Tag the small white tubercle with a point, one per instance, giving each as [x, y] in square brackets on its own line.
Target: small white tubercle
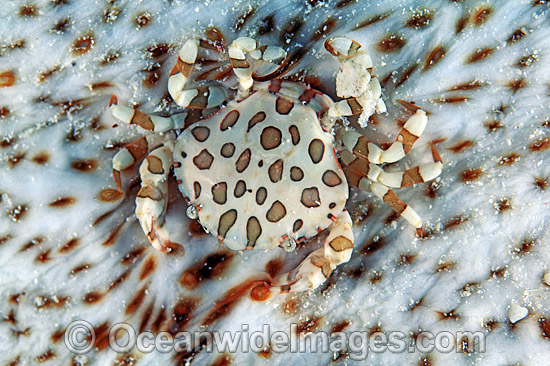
[516, 312]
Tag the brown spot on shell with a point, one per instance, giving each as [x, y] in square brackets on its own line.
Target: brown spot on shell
[261, 195]
[226, 222]
[275, 171]
[227, 150]
[84, 165]
[240, 189]
[316, 150]
[257, 118]
[296, 174]
[276, 212]
[391, 43]
[219, 193]
[63, 202]
[331, 178]
[243, 161]
[479, 55]
[197, 189]
[201, 133]
[297, 225]
[470, 175]
[203, 160]
[229, 120]
[253, 231]
[110, 195]
[310, 197]
[270, 138]
[294, 134]
[83, 45]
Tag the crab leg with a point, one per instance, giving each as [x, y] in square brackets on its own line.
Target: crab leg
[387, 195]
[195, 98]
[132, 153]
[241, 67]
[319, 264]
[145, 121]
[354, 81]
[151, 199]
[364, 149]
[418, 174]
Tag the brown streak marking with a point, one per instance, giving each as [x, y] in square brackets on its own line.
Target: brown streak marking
[147, 268]
[540, 145]
[391, 43]
[510, 159]
[80, 268]
[470, 175]
[44, 256]
[420, 19]
[455, 221]
[63, 202]
[132, 256]
[110, 195]
[309, 325]
[69, 246]
[479, 55]
[434, 57]
[461, 146]
[93, 297]
[481, 16]
[136, 301]
[223, 306]
[84, 165]
[123, 277]
[46, 356]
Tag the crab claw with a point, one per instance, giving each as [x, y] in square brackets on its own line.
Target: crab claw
[113, 100]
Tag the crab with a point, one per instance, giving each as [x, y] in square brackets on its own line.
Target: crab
[263, 171]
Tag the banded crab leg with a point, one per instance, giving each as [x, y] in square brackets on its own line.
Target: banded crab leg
[151, 200]
[145, 121]
[418, 174]
[319, 264]
[133, 153]
[385, 194]
[354, 81]
[361, 147]
[196, 98]
[243, 46]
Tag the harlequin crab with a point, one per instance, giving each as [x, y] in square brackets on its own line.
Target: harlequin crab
[263, 172]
